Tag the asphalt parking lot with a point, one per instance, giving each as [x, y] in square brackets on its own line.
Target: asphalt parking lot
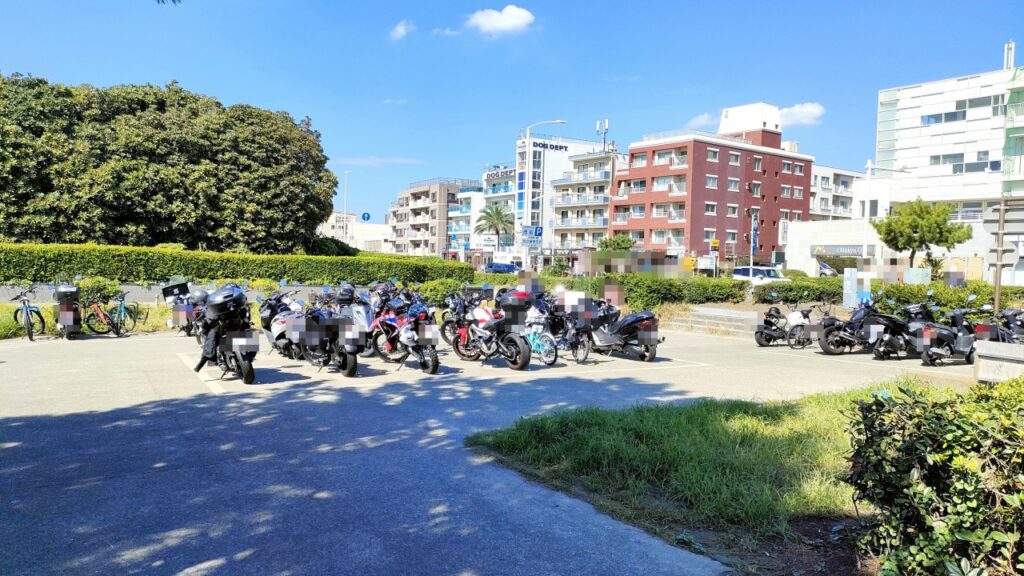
[116, 458]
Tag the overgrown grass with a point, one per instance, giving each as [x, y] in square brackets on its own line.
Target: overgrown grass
[711, 463]
[152, 318]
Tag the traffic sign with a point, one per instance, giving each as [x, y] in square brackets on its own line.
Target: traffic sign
[1010, 255]
[714, 243]
[366, 216]
[533, 231]
[1013, 220]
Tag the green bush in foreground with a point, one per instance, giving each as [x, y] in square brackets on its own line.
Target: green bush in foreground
[947, 479]
[46, 262]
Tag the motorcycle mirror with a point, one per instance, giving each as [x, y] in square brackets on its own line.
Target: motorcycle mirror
[486, 286]
[971, 297]
[891, 302]
[282, 283]
[245, 284]
[935, 308]
[987, 307]
[773, 294]
[327, 289]
[930, 292]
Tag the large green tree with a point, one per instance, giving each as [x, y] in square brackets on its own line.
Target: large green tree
[495, 218]
[143, 165]
[918, 225]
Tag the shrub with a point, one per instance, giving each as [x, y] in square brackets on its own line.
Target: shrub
[839, 263]
[435, 291]
[44, 262]
[99, 287]
[794, 273]
[946, 479]
[560, 267]
[802, 289]
[171, 246]
[495, 280]
[648, 292]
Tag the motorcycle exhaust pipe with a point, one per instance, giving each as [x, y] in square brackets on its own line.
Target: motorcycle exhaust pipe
[938, 352]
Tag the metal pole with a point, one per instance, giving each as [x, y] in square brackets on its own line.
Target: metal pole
[753, 216]
[999, 252]
[345, 206]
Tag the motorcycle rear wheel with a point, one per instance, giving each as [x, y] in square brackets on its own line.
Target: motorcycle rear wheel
[245, 370]
[518, 357]
[448, 331]
[468, 351]
[581, 351]
[648, 353]
[831, 342]
[347, 363]
[762, 339]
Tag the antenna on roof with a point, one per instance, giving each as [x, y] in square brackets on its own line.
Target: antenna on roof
[601, 127]
[1008, 50]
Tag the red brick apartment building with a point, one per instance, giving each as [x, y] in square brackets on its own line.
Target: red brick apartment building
[682, 189]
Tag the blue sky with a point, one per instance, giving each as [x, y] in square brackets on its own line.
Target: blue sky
[404, 91]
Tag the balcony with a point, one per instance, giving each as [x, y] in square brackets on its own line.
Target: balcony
[466, 189]
[1015, 115]
[588, 176]
[675, 242]
[419, 220]
[677, 189]
[621, 218]
[600, 222]
[417, 236]
[966, 216]
[457, 210]
[458, 229]
[502, 189]
[581, 199]
[676, 216]
[419, 204]
[678, 163]
[578, 245]
[1013, 167]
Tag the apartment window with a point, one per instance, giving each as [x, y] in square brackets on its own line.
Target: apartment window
[730, 236]
[734, 184]
[636, 235]
[785, 191]
[710, 208]
[536, 159]
[598, 166]
[954, 116]
[636, 211]
[787, 167]
[661, 183]
[783, 214]
[638, 160]
[755, 189]
[983, 156]
[709, 235]
[581, 189]
[711, 182]
[638, 186]
[712, 155]
[757, 163]
[826, 182]
[814, 180]
[599, 189]
[930, 119]
[732, 210]
[798, 168]
[797, 215]
[659, 237]
[798, 192]
[734, 158]
[662, 157]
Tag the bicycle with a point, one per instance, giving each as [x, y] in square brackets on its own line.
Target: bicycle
[121, 318]
[28, 315]
[542, 342]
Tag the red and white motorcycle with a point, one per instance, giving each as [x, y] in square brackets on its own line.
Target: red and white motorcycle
[489, 333]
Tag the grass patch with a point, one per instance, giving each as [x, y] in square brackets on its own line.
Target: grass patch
[711, 464]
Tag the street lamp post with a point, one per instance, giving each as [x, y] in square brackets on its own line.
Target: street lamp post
[529, 171]
[345, 206]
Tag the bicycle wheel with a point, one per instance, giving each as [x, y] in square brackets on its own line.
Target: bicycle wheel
[129, 318]
[96, 324]
[581, 351]
[797, 337]
[31, 320]
[547, 348]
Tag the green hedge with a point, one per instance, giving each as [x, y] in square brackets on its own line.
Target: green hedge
[946, 477]
[794, 273]
[47, 262]
[495, 280]
[802, 290]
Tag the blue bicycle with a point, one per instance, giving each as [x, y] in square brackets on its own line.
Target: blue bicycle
[541, 342]
[28, 315]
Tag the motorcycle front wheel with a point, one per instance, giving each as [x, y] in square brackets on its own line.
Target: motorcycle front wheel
[245, 370]
[380, 345]
[581, 350]
[468, 351]
[369, 351]
[517, 351]
[448, 332]
[429, 364]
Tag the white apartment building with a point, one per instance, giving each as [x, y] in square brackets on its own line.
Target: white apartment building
[419, 218]
[350, 229]
[540, 160]
[580, 201]
[462, 215]
[832, 193]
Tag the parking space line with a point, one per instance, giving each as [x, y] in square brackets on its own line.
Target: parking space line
[872, 364]
[213, 385]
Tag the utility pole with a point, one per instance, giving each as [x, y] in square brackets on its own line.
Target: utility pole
[345, 207]
[999, 252]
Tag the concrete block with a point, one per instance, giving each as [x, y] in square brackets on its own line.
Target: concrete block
[998, 361]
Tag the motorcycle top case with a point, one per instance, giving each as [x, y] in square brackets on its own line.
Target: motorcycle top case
[917, 312]
[514, 300]
[175, 290]
[66, 294]
[228, 299]
[345, 296]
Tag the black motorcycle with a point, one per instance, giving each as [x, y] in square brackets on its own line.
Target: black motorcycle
[636, 333]
[945, 342]
[841, 336]
[566, 327]
[901, 335]
[229, 339]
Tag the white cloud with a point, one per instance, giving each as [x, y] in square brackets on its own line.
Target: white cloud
[377, 161]
[402, 29]
[806, 114]
[701, 121]
[511, 20]
[393, 101]
[445, 32]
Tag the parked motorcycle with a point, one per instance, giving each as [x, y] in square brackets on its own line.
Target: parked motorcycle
[565, 326]
[900, 335]
[773, 326]
[841, 336]
[490, 333]
[229, 339]
[637, 333]
[283, 321]
[408, 329]
[69, 310]
[800, 335]
[942, 343]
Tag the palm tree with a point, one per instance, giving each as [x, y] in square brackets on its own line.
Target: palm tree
[497, 219]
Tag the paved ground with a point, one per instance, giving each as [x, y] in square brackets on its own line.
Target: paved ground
[116, 458]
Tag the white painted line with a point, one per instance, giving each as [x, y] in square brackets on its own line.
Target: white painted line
[213, 385]
[887, 364]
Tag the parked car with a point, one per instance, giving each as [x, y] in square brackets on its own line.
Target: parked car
[500, 268]
[826, 271]
[758, 275]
